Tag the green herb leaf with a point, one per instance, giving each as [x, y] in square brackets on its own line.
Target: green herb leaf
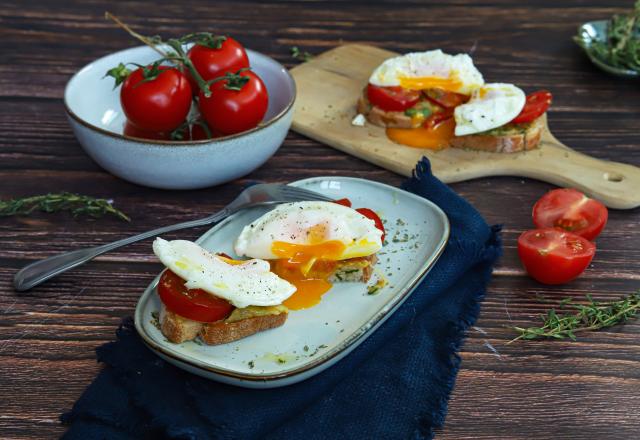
[118, 73]
[75, 203]
[299, 55]
[594, 315]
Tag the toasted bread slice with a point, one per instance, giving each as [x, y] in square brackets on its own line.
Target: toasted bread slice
[354, 269]
[250, 320]
[510, 138]
[239, 325]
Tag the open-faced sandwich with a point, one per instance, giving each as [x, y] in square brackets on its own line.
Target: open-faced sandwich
[214, 297]
[314, 244]
[435, 100]
[309, 245]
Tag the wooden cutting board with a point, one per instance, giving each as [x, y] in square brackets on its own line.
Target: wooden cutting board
[329, 86]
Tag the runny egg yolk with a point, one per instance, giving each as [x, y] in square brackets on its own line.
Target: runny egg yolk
[433, 138]
[451, 84]
[308, 267]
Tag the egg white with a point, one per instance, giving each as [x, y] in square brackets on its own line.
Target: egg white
[248, 284]
[491, 106]
[433, 63]
[291, 223]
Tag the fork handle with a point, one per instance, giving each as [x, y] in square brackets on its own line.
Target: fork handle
[38, 272]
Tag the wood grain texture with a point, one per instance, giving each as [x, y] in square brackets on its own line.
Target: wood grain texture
[535, 390]
[330, 84]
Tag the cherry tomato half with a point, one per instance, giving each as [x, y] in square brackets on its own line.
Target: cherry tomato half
[195, 304]
[392, 99]
[553, 256]
[373, 216]
[212, 63]
[231, 109]
[572, 211]
[343, 202]
[536, 104]
[445, 99]
[160, 104]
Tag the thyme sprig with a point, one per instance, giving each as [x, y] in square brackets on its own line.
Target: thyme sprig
[300, 55]
[594, 315]
[75, 203]
[622, 45]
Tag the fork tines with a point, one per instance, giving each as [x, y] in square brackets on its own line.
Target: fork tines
[304, 194]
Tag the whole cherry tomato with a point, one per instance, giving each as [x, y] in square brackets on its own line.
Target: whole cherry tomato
[373, 216]
[237, 103]
[553, 256]
[536, 104]
[134, 131]
[214, 56]
[392, 99]
[572, 211]
[156, 98]
[195, 304]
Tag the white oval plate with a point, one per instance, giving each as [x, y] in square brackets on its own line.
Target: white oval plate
[314, 339]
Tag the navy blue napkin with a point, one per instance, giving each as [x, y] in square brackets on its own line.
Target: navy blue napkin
[395, 385]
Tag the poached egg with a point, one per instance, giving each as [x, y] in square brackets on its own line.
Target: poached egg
[304, 240]
[491, 106]
[433, 69]
[242, 283]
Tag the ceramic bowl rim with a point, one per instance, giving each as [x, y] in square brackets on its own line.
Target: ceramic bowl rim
[170, 143]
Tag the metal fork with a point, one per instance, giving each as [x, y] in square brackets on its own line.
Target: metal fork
[261, 194]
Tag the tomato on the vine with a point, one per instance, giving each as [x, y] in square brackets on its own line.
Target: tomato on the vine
[195, 304]
[237, 103]
[156, 98]
[553, 256]
[214, 56]
[572, 211]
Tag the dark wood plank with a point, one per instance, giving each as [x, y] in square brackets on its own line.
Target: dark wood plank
[546, 389]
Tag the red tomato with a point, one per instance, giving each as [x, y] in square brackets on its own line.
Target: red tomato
[212, 63]
[193, 304]
[373, 216]
[572, 211]
[343, 202]
[160, 104]
[537, 103]
[392, 99]
[437, 118]
[133, 131]
[553, 256]
[446, 99]
[237, 103]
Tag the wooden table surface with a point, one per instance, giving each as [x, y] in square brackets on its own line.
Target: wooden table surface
[549, 389]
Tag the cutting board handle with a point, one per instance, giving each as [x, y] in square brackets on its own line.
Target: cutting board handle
[615, 184]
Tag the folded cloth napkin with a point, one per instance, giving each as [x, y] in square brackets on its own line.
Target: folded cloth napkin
[395, 385]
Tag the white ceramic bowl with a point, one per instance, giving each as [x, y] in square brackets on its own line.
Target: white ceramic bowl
[96, 117]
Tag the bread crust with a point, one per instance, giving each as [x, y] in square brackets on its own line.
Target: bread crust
[511, 143]
[508, 143]
[178, 329]
[381, 118]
